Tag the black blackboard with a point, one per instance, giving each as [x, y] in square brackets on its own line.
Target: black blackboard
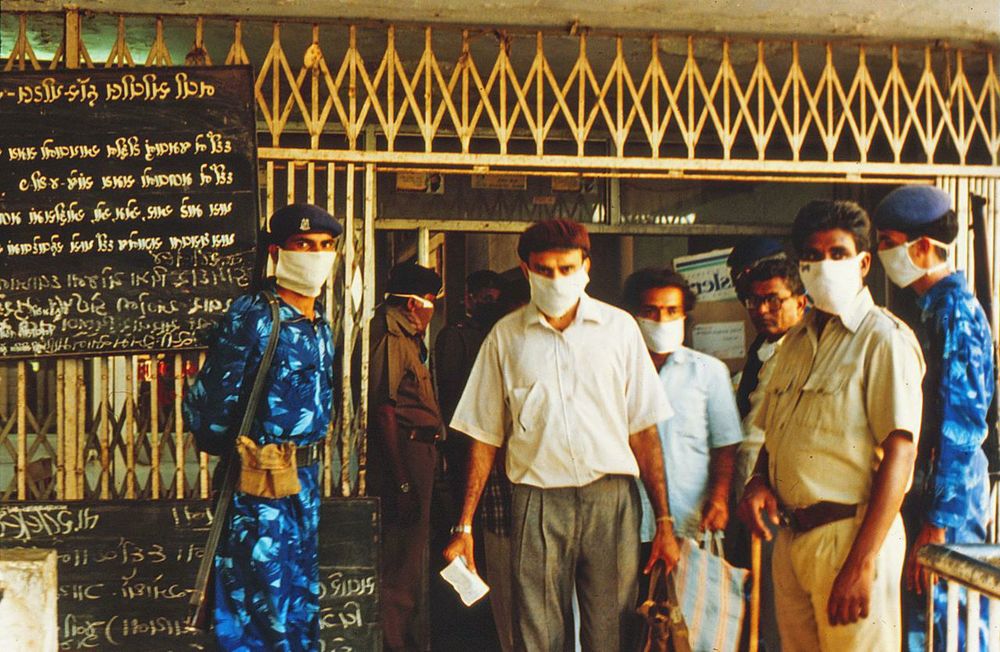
[126, 570]
[128, 206]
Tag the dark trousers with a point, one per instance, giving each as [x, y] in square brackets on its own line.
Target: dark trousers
[587, 537]
[404, 546]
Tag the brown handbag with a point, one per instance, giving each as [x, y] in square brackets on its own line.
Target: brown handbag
[664, 629]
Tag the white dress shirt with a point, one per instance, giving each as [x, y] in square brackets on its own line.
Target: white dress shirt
[564, 402]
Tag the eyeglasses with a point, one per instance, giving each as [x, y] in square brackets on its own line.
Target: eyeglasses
[772, 301]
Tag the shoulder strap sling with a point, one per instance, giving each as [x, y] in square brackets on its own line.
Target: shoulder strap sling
[199, 604]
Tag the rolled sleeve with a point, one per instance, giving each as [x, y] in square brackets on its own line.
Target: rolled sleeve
[894, 396]
[724, 428]
[481, 412]
[645, 399]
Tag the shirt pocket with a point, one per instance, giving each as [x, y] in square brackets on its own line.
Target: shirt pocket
[826, 403]
[527, 406]
[778, 393]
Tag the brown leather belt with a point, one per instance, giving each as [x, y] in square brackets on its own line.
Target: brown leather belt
[809, 518]
[306, 455]
[423, 434]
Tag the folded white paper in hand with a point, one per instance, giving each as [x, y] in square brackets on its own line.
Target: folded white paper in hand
[470, 587]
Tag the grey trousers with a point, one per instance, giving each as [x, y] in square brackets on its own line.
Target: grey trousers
[496, 564]
[583, 536]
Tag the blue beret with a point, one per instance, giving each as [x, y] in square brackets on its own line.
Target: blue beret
[301, 218]
[752, 250]
[911, 207]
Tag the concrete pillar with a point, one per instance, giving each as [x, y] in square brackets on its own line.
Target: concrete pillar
[28, 593]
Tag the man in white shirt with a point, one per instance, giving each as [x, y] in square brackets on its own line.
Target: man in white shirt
[567, 384]
[700, 443]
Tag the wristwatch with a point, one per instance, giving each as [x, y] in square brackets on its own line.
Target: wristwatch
[461, 529]
[404, 487]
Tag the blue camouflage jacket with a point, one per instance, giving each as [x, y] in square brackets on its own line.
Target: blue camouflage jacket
[299, 386]
[958, 389]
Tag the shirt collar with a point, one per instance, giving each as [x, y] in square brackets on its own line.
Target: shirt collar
[397, 322]
[954, 281]
[588, 310]
[856, 312]
[678, 357]
[852, 317]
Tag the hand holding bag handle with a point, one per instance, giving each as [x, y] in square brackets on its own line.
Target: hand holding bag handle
[663, 627]
[198, 604]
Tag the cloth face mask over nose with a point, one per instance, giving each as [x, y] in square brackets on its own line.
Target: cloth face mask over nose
[662, 336]
[304, 272]
[554, 297]
[901, 269]
[832, 284]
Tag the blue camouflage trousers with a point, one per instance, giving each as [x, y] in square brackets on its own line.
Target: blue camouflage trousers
[267, 572]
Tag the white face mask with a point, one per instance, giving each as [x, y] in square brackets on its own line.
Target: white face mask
[833, 285]
[662, 336]
[554, 297]
[901, 269]
[304, 272]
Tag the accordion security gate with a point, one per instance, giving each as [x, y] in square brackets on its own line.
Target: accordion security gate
[338, 102]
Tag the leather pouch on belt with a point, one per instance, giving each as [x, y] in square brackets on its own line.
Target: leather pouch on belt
[267, 471]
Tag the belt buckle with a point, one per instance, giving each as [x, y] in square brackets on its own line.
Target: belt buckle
[787, 519]
[308, 455]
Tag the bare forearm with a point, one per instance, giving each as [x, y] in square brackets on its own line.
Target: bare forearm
[887, 494]
[481, 458]
[721, 463]
[645, 446]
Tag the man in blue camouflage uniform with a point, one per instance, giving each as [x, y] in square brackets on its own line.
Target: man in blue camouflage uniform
[950, 495]
[266, 566]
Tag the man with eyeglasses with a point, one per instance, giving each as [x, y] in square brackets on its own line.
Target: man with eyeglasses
[404, 425]
[768, 285]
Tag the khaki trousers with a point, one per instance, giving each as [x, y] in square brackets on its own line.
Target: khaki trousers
[804, 567]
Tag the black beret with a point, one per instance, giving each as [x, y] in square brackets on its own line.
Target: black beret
[911, 207]
[301, 218]
[549, 235]
[411, 278]
[751, 251]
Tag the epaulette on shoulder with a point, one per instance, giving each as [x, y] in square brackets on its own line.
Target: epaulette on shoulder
[893, 318]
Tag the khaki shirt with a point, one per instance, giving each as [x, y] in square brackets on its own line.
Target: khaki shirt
[834, 398]
[564, 402]
[753, 437]
[397, 372]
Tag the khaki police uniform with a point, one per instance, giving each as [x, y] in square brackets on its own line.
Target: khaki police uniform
[833, 399]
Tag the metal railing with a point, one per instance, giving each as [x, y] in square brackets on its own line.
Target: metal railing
[972, 572]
